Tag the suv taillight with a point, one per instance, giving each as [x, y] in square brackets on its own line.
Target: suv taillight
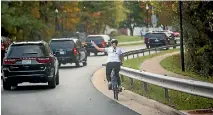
[75, 51]
[9, 61]
[44, 60]
[2, 46]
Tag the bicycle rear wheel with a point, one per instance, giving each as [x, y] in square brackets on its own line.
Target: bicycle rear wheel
[115, 91]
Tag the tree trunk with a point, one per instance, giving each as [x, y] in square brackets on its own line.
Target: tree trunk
[131, 31]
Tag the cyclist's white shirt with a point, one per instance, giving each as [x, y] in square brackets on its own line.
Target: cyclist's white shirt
[113, 56]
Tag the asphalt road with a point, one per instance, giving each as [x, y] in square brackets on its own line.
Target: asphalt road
[75, 95]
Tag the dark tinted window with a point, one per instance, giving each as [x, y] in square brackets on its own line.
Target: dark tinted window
[157, 35]
[62, 44]
[96, 39]
[26, 50]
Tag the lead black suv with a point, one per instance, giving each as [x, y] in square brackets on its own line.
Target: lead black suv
[31, 62]
[69, 50]
[100, 42]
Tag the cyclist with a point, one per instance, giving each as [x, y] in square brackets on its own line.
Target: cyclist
[115, 60]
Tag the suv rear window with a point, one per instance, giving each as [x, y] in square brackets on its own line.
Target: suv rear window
[96, 39]
[157, 35]
[62, 44]
[26, 50]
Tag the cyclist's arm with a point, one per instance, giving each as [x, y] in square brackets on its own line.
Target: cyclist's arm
[96, 47]
[121, 58]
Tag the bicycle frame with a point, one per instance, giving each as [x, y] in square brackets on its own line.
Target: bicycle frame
[114, 83]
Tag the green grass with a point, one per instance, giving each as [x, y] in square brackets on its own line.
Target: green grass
[178, 100]
[128, 38]
[131, 44]
[135, 63]
[173, 64]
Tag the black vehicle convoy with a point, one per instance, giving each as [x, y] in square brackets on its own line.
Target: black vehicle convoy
[154, 39]
[69, 50]
[31, 62]
[101, 40]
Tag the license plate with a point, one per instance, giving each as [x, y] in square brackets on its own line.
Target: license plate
[62, 52]
[26, 61]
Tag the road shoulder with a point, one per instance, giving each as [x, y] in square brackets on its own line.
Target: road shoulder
[140, 104]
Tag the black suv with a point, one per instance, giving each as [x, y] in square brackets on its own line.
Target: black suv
[99, 42]
[158, 39]
[69, 50]
[31, 62]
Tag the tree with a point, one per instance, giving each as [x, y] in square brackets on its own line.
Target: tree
[135, 16]
[19, 20]
[97, 15]
[166, 11]
[198, 32]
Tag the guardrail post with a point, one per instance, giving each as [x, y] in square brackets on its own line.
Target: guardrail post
[122, 78]
[127, 57]
[133, 56]
[145, 86]
[166, 93]
[149, 51]
[137, 54]
[143, 53]
[156, 50]
[131, 82]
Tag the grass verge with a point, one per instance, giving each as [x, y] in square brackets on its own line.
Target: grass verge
[128, 38]
[173, 64]
[178, 100]
[135, 63]
[131, 44]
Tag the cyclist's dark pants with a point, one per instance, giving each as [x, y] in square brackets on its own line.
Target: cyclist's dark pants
[109, 68]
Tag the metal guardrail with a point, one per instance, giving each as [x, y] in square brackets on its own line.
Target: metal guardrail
[194, 87]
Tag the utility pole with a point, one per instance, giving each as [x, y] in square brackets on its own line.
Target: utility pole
[181, 36]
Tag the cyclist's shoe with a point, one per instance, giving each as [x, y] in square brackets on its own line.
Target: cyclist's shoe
[110, 86]
[120, 88]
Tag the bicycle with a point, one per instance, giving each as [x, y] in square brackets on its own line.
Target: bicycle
[114, 82]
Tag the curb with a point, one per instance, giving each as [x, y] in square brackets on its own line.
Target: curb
[140, 100]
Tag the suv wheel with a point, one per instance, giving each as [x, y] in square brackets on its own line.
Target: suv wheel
[52, 82]
[77, 64]
[14, 84]
[88, 53]
[57, 78]
[175, 42]
[6, 85]
[85, 63]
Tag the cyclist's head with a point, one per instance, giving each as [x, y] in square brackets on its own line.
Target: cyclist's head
[114, 42]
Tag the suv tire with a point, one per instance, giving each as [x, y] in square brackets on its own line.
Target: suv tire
[88, 53]
[52, 82]
[57, 78]
[77, 64]
[6, 85]
[85, 63]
